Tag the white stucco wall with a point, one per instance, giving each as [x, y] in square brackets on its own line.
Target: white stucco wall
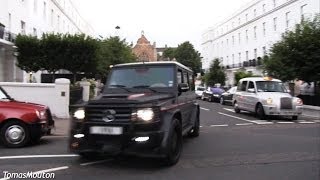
[56, 96]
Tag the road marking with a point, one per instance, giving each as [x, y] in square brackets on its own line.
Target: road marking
[227, 109]
[306, 122]
[244, 124]
[236, 117]
[262, 122]
[284, 122]
[45, 171]
[95, 162]
[38, 156]
[219, 125]
[204, 109]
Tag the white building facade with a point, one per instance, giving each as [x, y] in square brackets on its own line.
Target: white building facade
[241, 40]
[34, 17]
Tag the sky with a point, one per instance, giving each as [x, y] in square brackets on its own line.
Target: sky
[166, 22]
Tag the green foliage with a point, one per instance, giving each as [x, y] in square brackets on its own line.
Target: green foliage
[113, 51]
[30, 53]
[297, 55]
[241, 74]
[216, 74]
[169, 53]
[188, 56]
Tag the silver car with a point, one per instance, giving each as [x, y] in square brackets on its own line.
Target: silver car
[266, 97]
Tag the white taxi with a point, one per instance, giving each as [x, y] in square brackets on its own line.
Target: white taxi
[266, 96]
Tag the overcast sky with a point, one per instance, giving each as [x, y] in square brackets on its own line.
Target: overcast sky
[170, 22]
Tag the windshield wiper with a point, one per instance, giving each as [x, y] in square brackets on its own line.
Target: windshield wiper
[145, 87]
[120, 86]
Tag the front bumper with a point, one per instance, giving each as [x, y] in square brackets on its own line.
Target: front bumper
[118, 144]
[275, 110]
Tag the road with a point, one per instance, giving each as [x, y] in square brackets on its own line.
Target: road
[230, 146]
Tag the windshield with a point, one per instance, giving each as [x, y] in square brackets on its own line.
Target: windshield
[142, 77]
[270, 86]
[200, 88]
[3, 95]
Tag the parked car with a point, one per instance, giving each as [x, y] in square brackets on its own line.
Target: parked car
[212, 94]
[199, 91]
[144, 115]
[266, 97]
[227, 96]
[22, 122]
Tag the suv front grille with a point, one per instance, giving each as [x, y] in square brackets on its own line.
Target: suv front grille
[96, 112]
[286, 103]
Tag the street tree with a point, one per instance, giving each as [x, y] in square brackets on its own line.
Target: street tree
[216, 74]
[241, 74]
[297, 54]
[188, 56]
[29, 53]
[169, 53]
[112, 51]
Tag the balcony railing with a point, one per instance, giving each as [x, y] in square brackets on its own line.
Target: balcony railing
[249, 63]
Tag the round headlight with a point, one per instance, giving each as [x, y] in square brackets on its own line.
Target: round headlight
[269, 101]
[145, 114]
[79, 114]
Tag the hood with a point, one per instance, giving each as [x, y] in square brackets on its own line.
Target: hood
[25, 105]
[134, 98]
[273, 95]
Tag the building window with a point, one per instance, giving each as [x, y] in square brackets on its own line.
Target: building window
[232, 24]
[35, 6]
[239, 58]
[246, 17]
[35, 32]
[239, 37]
[227, 42]
[44, 10]
[287, 19]
[58, 23]
[264, 28]
[23, 27]
[9, 20]
[274, 3]
[255, 32]
[247, 55]
[264, 50]
[264, 8]
[239, 21]
[232, 58]
[232, 40]
[255, 13]
[247, 37]
[275, 24]
[52, 13]
[302, 11]
[255, 55]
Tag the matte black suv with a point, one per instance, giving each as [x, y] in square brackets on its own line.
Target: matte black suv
[145, 109]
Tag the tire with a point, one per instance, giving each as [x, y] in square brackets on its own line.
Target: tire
[195, 131]
[210, 99]
[202, 97]
[174, 144]
[260, 112]
[294, 118]
[221, 101]
[236, 109]
[15, 134]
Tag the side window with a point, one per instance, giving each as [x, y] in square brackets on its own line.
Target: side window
[251, 85]
[185, 78]
[179, 76]
[243, 86]
[191, 81]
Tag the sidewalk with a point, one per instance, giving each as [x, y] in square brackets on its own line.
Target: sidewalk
[311, 111]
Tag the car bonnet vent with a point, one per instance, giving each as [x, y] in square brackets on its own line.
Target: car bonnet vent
[115, 96]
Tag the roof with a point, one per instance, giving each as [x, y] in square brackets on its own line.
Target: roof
[259, 79]
[154, 63]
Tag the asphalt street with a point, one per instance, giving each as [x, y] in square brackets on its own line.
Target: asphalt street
[230, 146]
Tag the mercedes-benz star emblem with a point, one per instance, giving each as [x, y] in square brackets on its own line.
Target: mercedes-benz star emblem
[109, 115]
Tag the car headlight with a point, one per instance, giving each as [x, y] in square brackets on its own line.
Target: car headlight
[79, 114]
[299, 101]
[269, 101]
[41, 114]
[145, 114]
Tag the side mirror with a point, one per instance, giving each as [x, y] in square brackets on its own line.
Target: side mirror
[251, 90]
[183, 87]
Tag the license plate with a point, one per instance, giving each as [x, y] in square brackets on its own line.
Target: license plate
[106, 130]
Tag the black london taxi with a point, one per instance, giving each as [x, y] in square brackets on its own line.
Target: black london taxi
[144, 110]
